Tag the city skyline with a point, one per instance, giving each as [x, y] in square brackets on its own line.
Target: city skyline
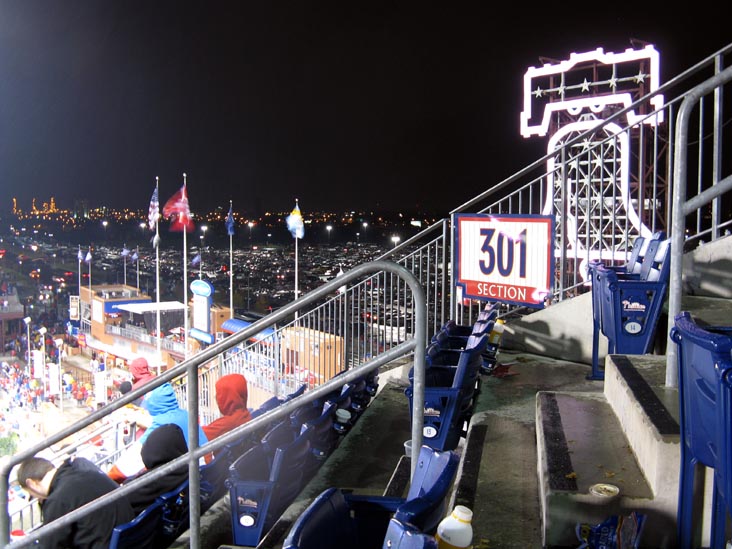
[373, 106]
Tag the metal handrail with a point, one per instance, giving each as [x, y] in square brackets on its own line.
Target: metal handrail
[682, 208]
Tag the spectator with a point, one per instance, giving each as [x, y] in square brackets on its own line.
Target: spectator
[163, 406]
[140, 371]
[231, 398]
[63, 489]
[165, 444]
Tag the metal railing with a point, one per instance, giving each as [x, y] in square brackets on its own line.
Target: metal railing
[413, 296]
[716, 188]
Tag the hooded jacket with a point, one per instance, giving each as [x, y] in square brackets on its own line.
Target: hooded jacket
[163, 407]
[76, 483]
[231, 397]
[164, 444]
[140, 371]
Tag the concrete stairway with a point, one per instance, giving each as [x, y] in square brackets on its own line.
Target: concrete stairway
[624, 439]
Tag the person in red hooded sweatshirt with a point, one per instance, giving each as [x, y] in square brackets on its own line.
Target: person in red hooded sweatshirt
[140, 371]
[231, 397]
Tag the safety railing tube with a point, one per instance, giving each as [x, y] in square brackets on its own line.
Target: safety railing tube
[681, 208]
[415, 346]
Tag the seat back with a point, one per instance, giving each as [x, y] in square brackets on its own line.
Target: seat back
[325, 524]
[704, 369]
[470, 361]
[176, 514]
[705, 394]
[213, 477]
[402, 535]
[426, 501]
[139, 533]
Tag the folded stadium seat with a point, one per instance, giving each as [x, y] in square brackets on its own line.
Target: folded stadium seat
[450, 396]
[338, 518]
[262, 485]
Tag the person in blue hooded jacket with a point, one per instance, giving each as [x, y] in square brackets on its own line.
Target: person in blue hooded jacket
[163, 407]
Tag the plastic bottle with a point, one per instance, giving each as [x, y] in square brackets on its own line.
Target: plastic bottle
[456, 531]
[496, 333]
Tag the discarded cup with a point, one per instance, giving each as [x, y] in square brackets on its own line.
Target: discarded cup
[408, 447]
[17, 534]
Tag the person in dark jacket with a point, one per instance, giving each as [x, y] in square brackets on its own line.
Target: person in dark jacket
[67, 487]
[231, 397]
[162, 446]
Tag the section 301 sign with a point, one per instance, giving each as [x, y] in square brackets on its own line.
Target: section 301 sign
[507, 258]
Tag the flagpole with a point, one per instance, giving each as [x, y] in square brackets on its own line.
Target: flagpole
[231, 267]
[124, 258]
[157, 280]
[185, 282]
[138, 267]
[79, 257]
[90, 262]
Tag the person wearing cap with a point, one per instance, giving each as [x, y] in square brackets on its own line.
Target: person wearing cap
[62, 489]
[231, 398]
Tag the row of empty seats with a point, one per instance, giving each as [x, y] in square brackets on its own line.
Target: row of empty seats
[266, 478]
[454, 360]
[627, 300]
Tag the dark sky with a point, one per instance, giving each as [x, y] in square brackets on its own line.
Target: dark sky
[345, 105]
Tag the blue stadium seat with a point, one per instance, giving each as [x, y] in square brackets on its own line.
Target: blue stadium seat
[141, 532]
[705, 394]
[264, 481]
[338, 518]
[450, 396]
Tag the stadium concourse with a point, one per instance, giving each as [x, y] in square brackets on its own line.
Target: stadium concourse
[32, 423]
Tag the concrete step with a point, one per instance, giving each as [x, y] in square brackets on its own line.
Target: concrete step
[648, 412]
[582, 448]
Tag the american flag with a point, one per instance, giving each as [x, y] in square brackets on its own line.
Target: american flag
[153, 213]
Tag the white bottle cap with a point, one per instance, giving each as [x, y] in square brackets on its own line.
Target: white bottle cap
[463, 513]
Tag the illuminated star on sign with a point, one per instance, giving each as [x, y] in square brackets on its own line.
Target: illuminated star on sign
[640, 77]
[585, 86]
[613, 82]
[538, 92]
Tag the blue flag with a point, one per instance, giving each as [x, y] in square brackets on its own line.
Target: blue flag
[230, 222]
[80, 255]
[295, 223]
[196, 260]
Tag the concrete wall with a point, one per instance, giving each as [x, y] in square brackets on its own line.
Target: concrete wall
[564, 330]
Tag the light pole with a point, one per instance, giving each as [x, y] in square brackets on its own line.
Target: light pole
[204, 228]
[329, 228]
[365, 226]
[395, 239]
[250, 225]
[42, 330]
[27, 321]
[104, 224]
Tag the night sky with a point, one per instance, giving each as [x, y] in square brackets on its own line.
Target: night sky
[344, 105]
